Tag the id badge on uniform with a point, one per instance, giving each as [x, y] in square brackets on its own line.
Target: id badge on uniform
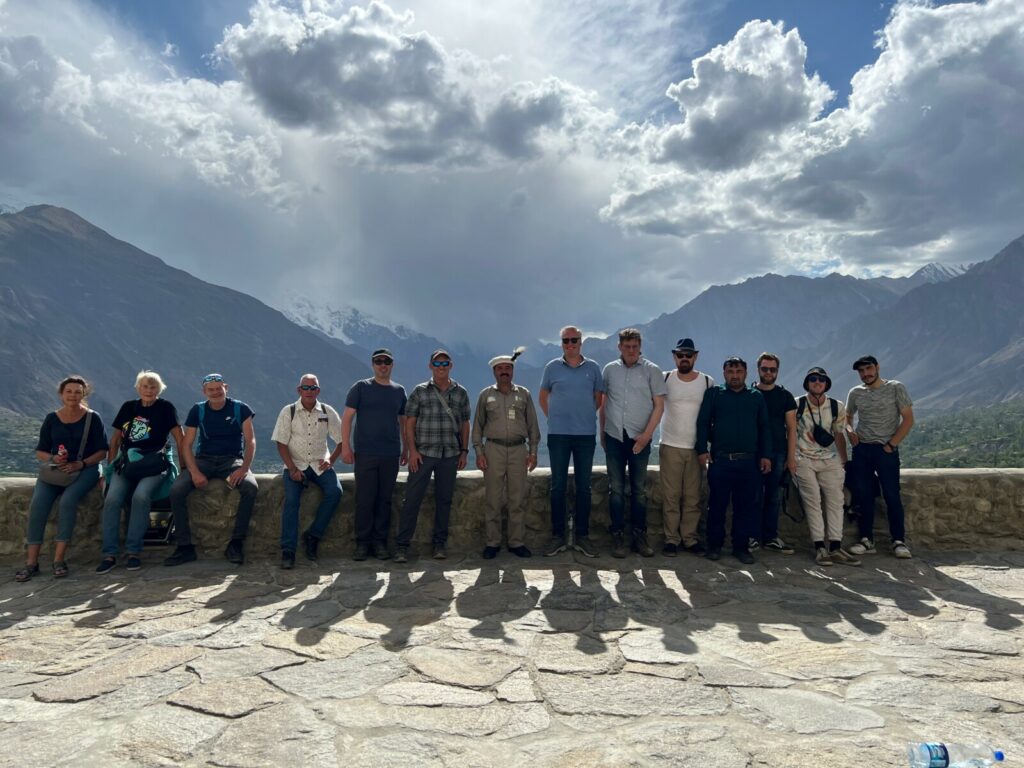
[511, 414]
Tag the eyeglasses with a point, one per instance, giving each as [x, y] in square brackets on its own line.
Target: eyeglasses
[684, 355]
[382, 361]
[440, 363]
[212, 377]
[309, 387]
[766, 369]
[571, 340]
[814, 379]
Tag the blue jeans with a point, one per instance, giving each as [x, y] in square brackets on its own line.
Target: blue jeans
[870, 459]
[67, 511]
[138, 518]
[738, 480]
[581, 449]
[766, 524]
[619, 455]
[328, 483]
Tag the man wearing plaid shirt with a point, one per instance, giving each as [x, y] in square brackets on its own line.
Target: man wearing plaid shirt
[437, 435]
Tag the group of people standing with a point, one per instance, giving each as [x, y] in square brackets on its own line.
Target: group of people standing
[744, 437]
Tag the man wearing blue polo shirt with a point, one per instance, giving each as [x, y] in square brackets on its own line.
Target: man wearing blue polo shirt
[570, 395]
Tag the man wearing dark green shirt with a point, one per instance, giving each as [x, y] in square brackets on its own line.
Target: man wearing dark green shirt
[734, 419]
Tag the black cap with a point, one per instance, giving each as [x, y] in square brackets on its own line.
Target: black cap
[685, 345]
[734, 360]
[864, 360]
[818, 370]
[383, 352]
[439, 353]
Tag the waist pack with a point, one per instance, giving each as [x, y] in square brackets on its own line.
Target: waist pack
[146, 465]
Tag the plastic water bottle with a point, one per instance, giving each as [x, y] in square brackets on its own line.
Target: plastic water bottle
[934, 754]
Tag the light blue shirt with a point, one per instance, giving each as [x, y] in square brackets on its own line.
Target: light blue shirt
[629, 396]
[571, 408]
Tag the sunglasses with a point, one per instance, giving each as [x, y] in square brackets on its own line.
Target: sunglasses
[684, 355]
[382, 361]
[440, 363]
[766, 369]
[309, 387]
[212, 377]
[571, 340]
[814, 379]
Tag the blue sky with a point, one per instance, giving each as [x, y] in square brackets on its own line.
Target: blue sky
[602, 160]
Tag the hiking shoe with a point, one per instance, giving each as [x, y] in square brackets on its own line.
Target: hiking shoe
[822, 556]
[618, 544]
[27, 572]
[863, 547]
[234, 553]
[380, 551]
[401, 554]
[106, 564]
[713, 553]
[134, 563]
[585, 547]
[640, 545]
[695, 549]
[744, 556]
[490, 553]
[669, 550]
[287, 559]
[843, 557]
[520, 551]
[753, 544]
[440, 553]
[181, 554]
[311, 545]
[362, 552]
[556, 545]
[901, 550]
[778, 545]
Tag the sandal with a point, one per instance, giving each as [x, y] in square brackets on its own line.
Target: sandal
[60, 569]
[27, 572]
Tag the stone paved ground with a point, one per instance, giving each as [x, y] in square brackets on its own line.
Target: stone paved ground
[544, 662]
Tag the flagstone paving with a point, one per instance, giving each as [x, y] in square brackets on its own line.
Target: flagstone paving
[540, 662]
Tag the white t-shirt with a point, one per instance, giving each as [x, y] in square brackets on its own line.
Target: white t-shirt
[679, 424]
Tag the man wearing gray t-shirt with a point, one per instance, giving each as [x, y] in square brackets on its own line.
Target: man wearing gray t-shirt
[884, 416]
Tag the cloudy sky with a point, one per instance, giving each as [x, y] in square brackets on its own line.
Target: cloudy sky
[491, 171]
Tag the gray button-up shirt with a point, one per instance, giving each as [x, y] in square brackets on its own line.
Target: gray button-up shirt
[629, 396]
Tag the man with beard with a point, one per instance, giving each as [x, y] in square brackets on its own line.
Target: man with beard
[680, 470]
[782, 425]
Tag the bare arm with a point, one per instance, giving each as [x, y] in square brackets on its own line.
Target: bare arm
[347, 454]
[907, 416]
[791, 429]
[410, 440]
[115, 444]
[543, 396]
[652, 424]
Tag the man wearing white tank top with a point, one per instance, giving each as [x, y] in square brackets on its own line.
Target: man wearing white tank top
[680, 471]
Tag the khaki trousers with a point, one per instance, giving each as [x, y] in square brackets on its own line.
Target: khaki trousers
[506, 472]
[814, 477]
[680, 490]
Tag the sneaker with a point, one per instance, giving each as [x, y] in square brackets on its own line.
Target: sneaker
[618, 544]
[134, 563]
[106, 564]
[440, 553]
[520, 551]
[778, 545]
[822, 557]
[362, 552]
[380, 551]
[753, 544]
[287, 559]
[311, 545]
[556, 545]
[695, 549]
[843, 557]
[901, 550]
[234, 553]
[640, 545]
[401, 554]
[744, 556]
[713, 553]
[585, 547]
[863, 547]
[669, 550]
[182, 554]
[490, 553]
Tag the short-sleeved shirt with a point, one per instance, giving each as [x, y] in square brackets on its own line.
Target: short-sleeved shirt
[571, 408]
[306, 433]
[877, 410]
[377, 407]
[145, 428]
[436, 435]
[223, 435]
[629, 396]
[780, 401]
[682, 404]
[54, 433]
[807, 446]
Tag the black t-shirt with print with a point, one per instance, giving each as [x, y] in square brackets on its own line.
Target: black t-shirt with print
[145, 428]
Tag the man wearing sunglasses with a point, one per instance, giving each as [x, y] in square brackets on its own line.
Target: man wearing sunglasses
[226, 448]
[570, 395]
[437, 433]
[377, 405]
[301, 434]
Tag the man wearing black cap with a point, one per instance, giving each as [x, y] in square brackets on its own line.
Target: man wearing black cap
[378, 407]
[437, 434]
[884, 415]
[734, 418]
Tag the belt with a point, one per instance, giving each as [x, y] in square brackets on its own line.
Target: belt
[733, 456]
[506, 443]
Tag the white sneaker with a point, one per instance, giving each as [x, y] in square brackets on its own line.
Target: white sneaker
[864, 547]
[753, 544]
[822, 557]
[901, 550]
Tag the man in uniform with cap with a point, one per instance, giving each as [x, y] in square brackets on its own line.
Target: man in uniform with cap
[505, 438]
[436, 433]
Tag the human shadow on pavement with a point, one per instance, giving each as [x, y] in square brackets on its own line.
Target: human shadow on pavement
[498, 597]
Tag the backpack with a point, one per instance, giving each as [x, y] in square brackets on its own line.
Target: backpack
[801, 406]
[291, 412]
[237, 418]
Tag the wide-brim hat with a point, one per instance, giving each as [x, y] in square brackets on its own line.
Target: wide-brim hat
[818, 370]
[685, 345]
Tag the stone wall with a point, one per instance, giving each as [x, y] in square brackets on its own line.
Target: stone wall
[946, 508]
